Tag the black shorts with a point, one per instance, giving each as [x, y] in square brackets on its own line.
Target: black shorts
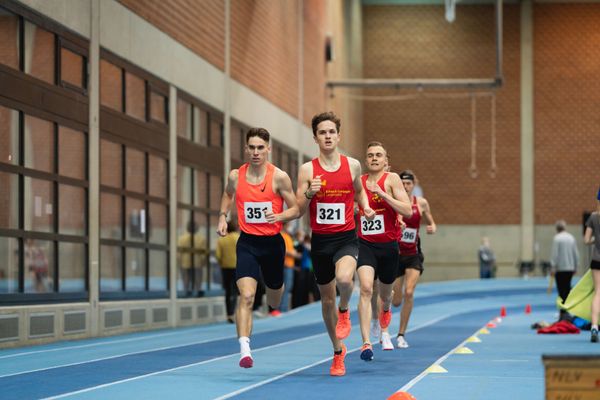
[381, 256]
[595, 264]
[328, 249]
[260, 253]
[412, 261]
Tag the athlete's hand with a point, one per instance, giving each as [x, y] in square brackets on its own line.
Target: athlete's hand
[431, 229]
[272, 218]
[315, 186]
[369, 213]
[375, 188]
[222, 227]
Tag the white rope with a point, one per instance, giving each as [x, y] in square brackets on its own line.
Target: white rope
[473, 167]
[493, 166]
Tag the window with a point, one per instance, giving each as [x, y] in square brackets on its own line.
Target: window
[158, 107]
[44, 214]
[73, 68]
[9, 45]
[133, 222]
[111, 86]
[135, 96]
[39, 61]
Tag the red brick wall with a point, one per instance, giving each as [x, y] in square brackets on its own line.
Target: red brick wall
[567, 94]
[198, 25]
[314, 58]
[264, 49]
[264, 43]
[433, 136]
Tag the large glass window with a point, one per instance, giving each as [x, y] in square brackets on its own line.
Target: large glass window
[44, 212]
[192, 232]
[43, 164]
[133, 221]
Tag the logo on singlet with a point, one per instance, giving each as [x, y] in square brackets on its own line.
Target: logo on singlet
[263, 188]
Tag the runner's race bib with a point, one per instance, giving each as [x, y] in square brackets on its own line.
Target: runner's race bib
[374, 227]
[331, 213]
[409, 235]
[254, 212]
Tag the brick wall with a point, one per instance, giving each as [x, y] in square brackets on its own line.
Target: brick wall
[198, 25]
[433, 136]
[264, 43]
[567, 94]
[264, 49]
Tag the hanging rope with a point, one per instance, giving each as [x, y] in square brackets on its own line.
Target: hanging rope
[473, 167]
[493, 166]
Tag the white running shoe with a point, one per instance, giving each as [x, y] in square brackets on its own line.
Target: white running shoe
[375, 330]
[386, 341]
[401, 342]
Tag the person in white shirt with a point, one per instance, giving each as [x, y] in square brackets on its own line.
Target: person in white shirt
[564, 260]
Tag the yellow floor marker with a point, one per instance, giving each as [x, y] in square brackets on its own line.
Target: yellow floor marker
[484, 331]
[474, 339]
[437, 369]
[463, 350]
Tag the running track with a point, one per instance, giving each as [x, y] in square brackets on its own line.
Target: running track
[292, 355]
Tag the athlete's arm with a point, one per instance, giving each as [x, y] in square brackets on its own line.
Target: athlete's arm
[360, 195]
[283, 186]
[426, 212]
[307, 187]
[587, 237]
[398, 199]
[226, 201]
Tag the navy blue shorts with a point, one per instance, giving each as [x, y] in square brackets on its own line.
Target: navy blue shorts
[412, 262]
[256, 254]
[381, 256]
[595, 264]
[327, 249]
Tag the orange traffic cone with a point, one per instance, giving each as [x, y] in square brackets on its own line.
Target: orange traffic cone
[528, 309]
[401, 396]
[503, 312]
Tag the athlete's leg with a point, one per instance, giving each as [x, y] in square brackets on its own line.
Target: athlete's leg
[411, 277]
[398, 291]
[366, 275]
[247, 289]
[274, 296]
[328, 309]
[344, 277]
[596, 299]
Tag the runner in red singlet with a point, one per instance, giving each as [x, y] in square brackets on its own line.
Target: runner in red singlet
[260, 189]
[378, 240]
[410, 266]
[329, 185]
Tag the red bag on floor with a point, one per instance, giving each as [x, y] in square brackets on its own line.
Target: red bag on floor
[560, 327]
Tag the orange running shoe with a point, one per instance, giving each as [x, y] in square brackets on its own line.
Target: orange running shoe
[385, 317]
[337, 366]
[343, 326]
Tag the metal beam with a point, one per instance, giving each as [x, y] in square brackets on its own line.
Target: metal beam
[435, 83]
[414, 83]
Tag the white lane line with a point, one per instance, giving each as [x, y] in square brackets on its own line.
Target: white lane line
[136, 339]
[440, 360]
[116, 356]
[126, 354]
[278, 377]
[181, 367]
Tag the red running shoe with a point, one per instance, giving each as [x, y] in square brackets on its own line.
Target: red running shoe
[337, 366]
[385, 317]
[343, 326]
